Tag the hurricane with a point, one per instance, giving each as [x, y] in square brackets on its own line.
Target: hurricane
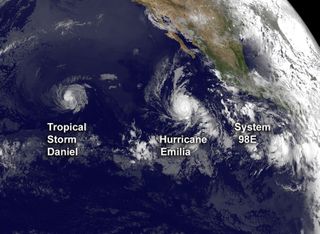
[196, 117]
[70, 98]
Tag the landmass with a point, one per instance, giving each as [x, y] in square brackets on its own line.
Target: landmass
[207, 27]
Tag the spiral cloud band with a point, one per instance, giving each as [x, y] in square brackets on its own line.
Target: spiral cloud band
[70, 97]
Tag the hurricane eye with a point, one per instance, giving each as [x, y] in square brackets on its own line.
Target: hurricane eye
[182, 107]
[68, 96]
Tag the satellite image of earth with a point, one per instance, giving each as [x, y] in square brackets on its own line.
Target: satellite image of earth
[158, 116]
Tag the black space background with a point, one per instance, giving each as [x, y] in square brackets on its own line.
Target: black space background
[309, 12]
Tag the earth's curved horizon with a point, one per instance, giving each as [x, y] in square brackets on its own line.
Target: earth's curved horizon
[153, 116]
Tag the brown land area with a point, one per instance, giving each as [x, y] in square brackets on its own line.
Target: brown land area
[205, 24]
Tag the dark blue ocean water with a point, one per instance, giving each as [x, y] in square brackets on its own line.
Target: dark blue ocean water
[98, 196]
